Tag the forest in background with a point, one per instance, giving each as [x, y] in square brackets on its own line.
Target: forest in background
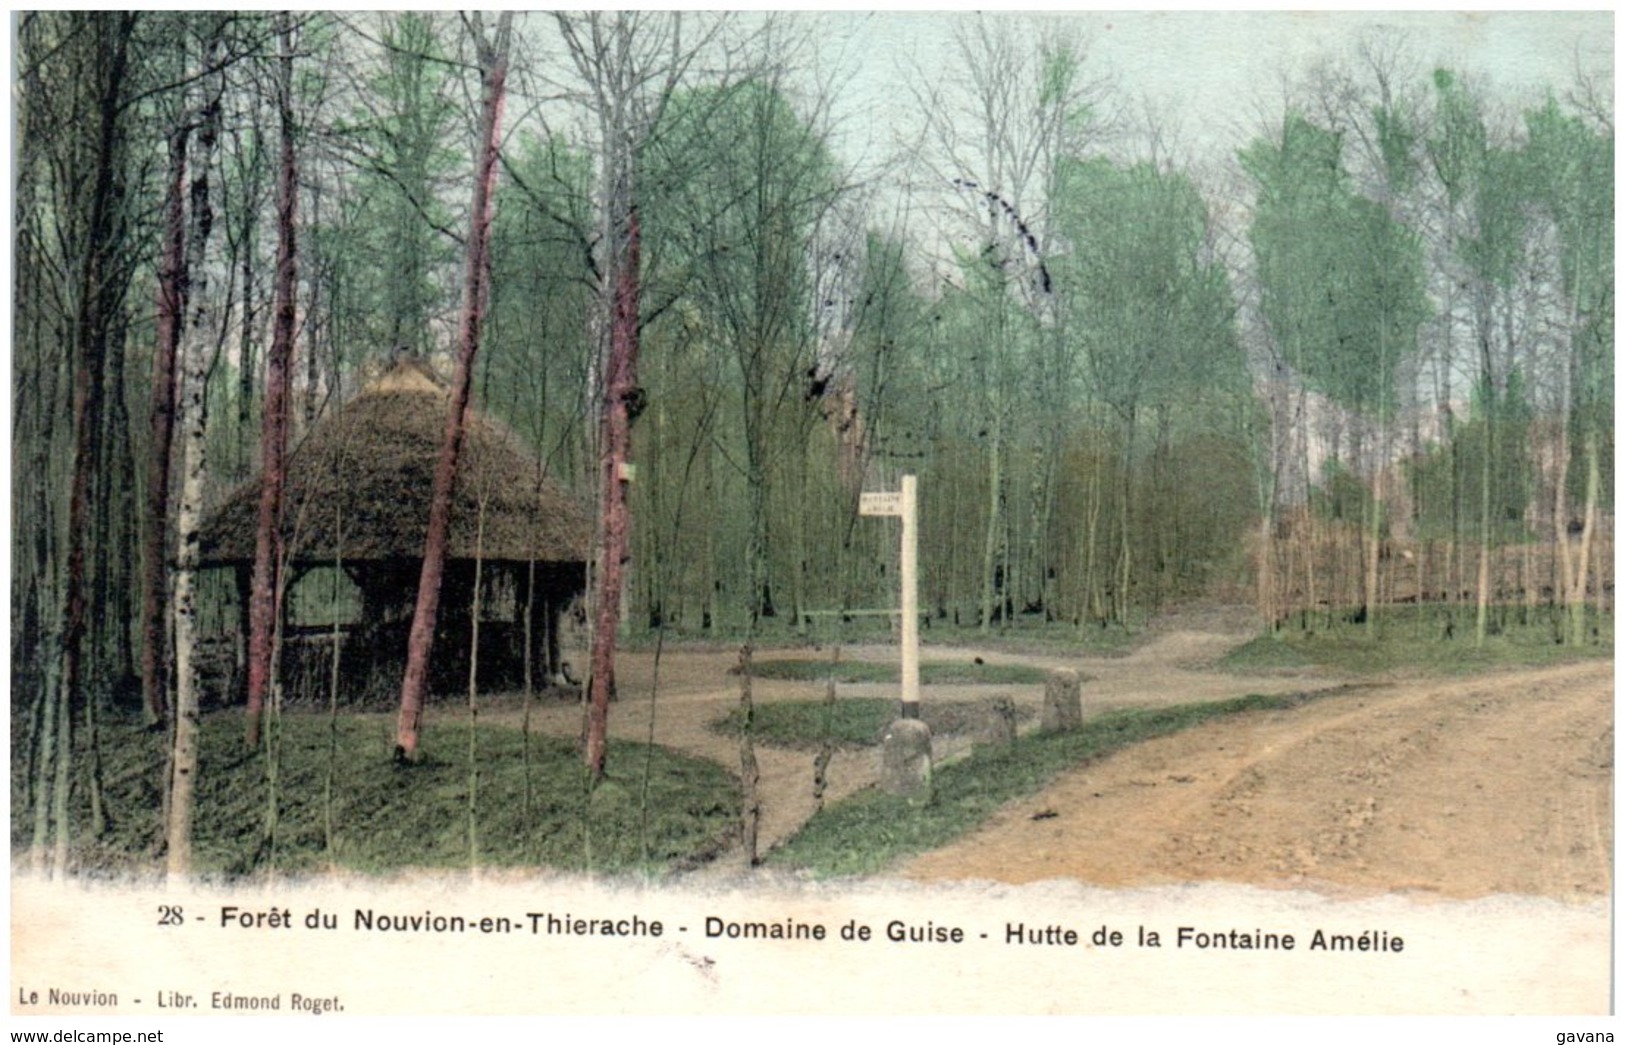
[1365, 360]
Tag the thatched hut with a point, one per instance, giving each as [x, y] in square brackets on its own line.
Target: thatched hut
[356, 506]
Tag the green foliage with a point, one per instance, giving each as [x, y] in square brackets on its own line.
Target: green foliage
[1574, 186]
[1200, 498]
[733, 191]
[1146, 320]
[1494, 251]
[1341, 495]
[1060, 71]
[535, 365]
[1149, 312]
[1575, 168]
[1512, 473]
[1397, 139]
[398, 265]
[734, 186]
[1421, 639]
[1460, 137]
[888, 354]
[390, 818]
[1193, 505]
[1342, 280]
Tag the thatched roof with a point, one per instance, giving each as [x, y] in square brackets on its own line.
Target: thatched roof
[358, 487]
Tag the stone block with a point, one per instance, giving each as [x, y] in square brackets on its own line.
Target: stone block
[905, 759]
[1063, 701]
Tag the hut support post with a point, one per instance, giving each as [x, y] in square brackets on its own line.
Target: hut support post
[555, 663]
[239, 642]
[540, 606]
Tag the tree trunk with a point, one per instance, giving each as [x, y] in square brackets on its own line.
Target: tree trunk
[245, 339]
[414, 686]
[171, 307]
[1379, 492]
[1577, 588]
[96, 304]
[1485, 541]
[268, 551]
[1096, 502]
[620, 383]
[193, 277]
[312, 404]
[474, 611]
[1371, 552]
[1269, 476]
[1125, 552]
[990, 538]
[749, 771]
[184, 750]
[1310, 540]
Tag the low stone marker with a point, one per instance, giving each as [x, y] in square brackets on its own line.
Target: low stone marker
[1063, 701]
[1001, 727]
[905, 759]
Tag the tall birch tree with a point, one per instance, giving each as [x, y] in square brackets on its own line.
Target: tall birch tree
[628, 65]
[493, 62]
[196, 357]
[266, 583]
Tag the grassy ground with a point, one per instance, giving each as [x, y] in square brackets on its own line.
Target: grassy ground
[848, 722]
[1023, 634]
[343, 803]
[932, 672]
[1429, 639]
[873, 830]
[854, 721]
[859, 721]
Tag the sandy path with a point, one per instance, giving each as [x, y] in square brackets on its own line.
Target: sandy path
[1172, 666]
[694, 690]
[1459, 788]
[1496, 784]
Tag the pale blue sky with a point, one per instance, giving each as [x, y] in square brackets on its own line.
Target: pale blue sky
[1215, 71]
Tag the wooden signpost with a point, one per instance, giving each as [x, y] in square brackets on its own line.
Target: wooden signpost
[904, 503]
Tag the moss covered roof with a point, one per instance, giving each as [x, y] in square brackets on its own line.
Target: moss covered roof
[358, 487]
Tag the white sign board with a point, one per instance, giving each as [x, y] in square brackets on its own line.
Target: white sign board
[904, 503]
[887, 503]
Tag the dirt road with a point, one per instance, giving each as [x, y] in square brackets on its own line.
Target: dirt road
[1459, 788]
[1497, 784]
[693, 689]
